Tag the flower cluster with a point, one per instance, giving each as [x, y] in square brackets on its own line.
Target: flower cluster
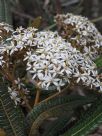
[81, 33]
[5, 31]
[20, 39]
[51, 62]
[17, 92]
[56, 63]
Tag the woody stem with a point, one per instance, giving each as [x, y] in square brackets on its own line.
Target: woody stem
[37, 97]
[56, 94]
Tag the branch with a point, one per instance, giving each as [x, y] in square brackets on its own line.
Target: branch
[56, 94]
[96, 19]
[37, 97]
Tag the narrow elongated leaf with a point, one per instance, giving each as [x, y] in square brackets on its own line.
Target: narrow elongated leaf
[11, 117]
[88, 122]
[5, 13]
[51, 108]
[57, 125]
[2, 11]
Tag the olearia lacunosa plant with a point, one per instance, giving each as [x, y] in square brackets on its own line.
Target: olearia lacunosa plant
[51, 81]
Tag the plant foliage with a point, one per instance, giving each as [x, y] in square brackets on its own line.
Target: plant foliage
[74, 111]
[88, 122]
[11, 117]
[5, 13]
[54, 108]
[98, 61]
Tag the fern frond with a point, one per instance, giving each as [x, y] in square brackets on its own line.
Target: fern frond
[11, 117]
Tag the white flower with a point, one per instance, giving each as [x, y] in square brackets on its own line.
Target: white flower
[14, 95]
[1, 61]
[55, 62]
[50, 61]
[19, 83]
[89, 52]
[28, 66]
[85, 33]
[80, 76]
[6, 27]
[50, 79]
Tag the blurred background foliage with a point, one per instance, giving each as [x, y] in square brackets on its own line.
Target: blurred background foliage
[40, 13]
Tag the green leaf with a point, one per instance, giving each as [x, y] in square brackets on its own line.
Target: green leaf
[57, 125]
[90, 120]
[5, 13]
[54, 107]
[98, 61]
[11, 117]
[2, 12]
